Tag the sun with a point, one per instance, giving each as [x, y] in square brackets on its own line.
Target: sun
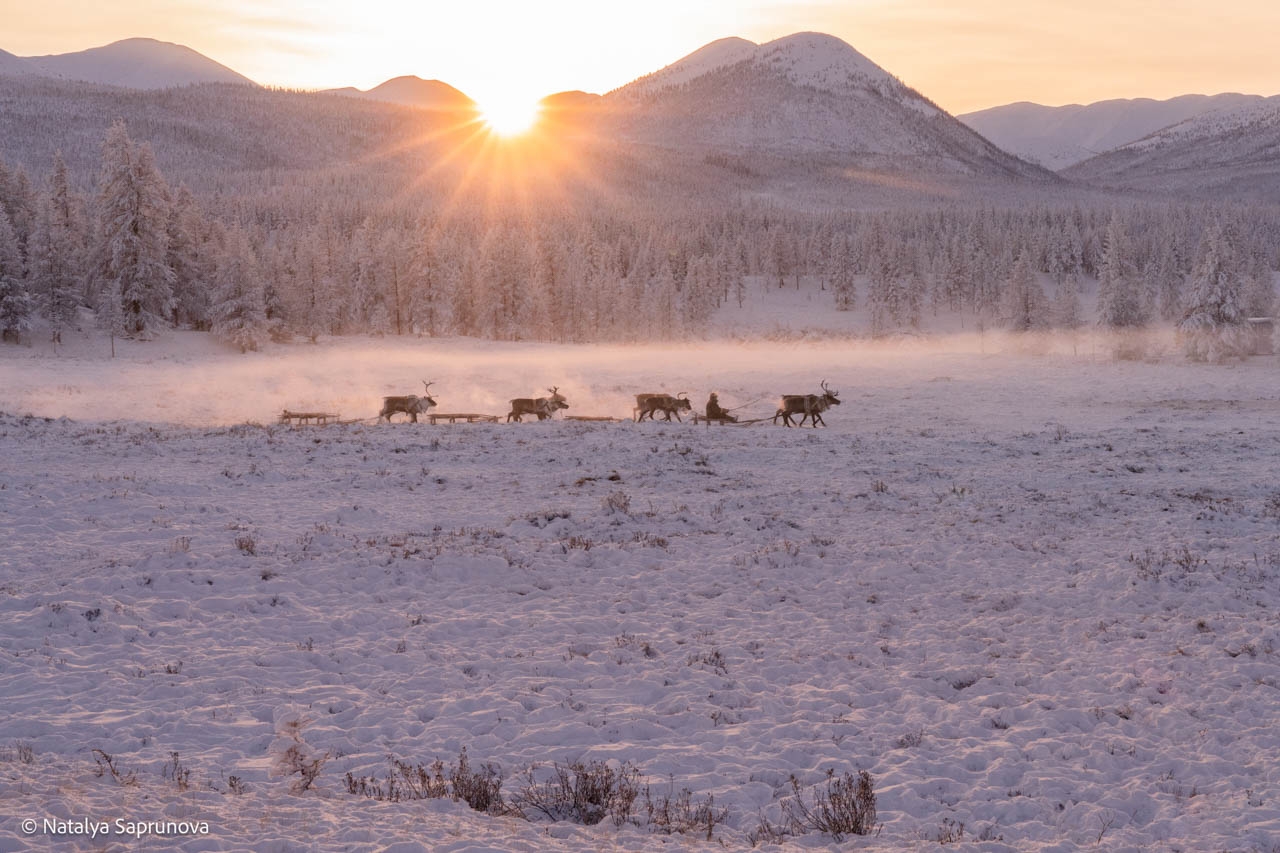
[509, 116]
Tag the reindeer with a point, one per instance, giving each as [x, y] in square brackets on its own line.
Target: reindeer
[651, 404]
[807, 406]
[543, 407]
[411, 405]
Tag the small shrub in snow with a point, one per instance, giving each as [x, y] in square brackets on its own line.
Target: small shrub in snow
[767, 833]
[911, 739]
[246, 544]
[582, 792]
[404, 781]
[625, 640]
[176, 772]
[617, 502]
[949, 832]
[681, 814]
[544, 517]
[107, 766]
[298, 758]
[236, 785]
[481, 789]
[645, 539]
[846, 807]
[478, 788]
[21, 752]
[713, 659]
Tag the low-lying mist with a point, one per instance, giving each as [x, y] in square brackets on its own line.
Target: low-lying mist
[187, 378]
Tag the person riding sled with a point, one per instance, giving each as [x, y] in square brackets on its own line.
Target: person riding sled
[715, 413]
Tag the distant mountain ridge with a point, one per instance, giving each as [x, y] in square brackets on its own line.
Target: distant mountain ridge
[1231, 151]
[803, 95]
[805, 110]
[412, 91]
[135, 63]
[1060, 137]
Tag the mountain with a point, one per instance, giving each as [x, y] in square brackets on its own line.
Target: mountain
[11, 65]
[1059, 137]
[137, 63]
[414, 92]
[1233, 151]
[803, 96]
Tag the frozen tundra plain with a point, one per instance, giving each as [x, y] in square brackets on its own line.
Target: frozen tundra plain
[1033, 595]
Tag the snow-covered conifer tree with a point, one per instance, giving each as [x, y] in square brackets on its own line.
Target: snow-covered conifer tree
[1213, 326]
[1028, 309]
[131, 252]
[843, 283]
[16, 303]
[1120, 304]
[239, 309]
[55, 253]
[191, 260]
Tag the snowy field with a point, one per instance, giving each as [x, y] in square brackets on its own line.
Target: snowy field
[1031, 595]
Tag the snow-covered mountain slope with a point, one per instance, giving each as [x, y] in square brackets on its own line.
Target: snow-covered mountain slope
[1233, 150]
[1060, 137]
[136, 63]
[11, 65]
[799, 96]
[414, 92]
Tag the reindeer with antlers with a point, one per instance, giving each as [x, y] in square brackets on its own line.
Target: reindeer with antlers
[411, 404]
[651, 404]
[809, 406]
[543, 407]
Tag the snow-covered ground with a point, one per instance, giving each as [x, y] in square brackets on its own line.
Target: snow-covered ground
[1033, 595]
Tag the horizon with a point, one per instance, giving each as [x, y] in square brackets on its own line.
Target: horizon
[965, 60]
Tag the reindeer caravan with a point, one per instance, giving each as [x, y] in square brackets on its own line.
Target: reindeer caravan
[649, 405]
[808, 406]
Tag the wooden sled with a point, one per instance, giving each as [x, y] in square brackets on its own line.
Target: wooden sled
[454, 417]
[305, 418]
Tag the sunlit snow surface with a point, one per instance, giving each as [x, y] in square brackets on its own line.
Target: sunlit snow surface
[1033, 595]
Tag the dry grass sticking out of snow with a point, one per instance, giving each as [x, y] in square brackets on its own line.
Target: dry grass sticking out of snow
[1031, 597]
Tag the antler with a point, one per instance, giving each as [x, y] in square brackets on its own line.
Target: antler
[683, 394]
[824, 385]
[554, 389]
[427, 386]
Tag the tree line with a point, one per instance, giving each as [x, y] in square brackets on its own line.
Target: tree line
[331, 252]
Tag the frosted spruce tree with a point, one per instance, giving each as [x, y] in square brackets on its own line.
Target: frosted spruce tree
[54, 254]
[1120, 296]
[1067, 314]
[131, 252]
[1213, 327]
[1028, 308]
[16, 303]
[239, 308]
[191, 260]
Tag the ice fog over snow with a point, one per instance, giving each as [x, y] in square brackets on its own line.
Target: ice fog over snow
[1031, 596]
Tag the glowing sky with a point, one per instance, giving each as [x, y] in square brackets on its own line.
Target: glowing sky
[964, 54]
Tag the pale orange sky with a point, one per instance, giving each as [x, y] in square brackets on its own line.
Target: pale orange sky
[964, 54]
